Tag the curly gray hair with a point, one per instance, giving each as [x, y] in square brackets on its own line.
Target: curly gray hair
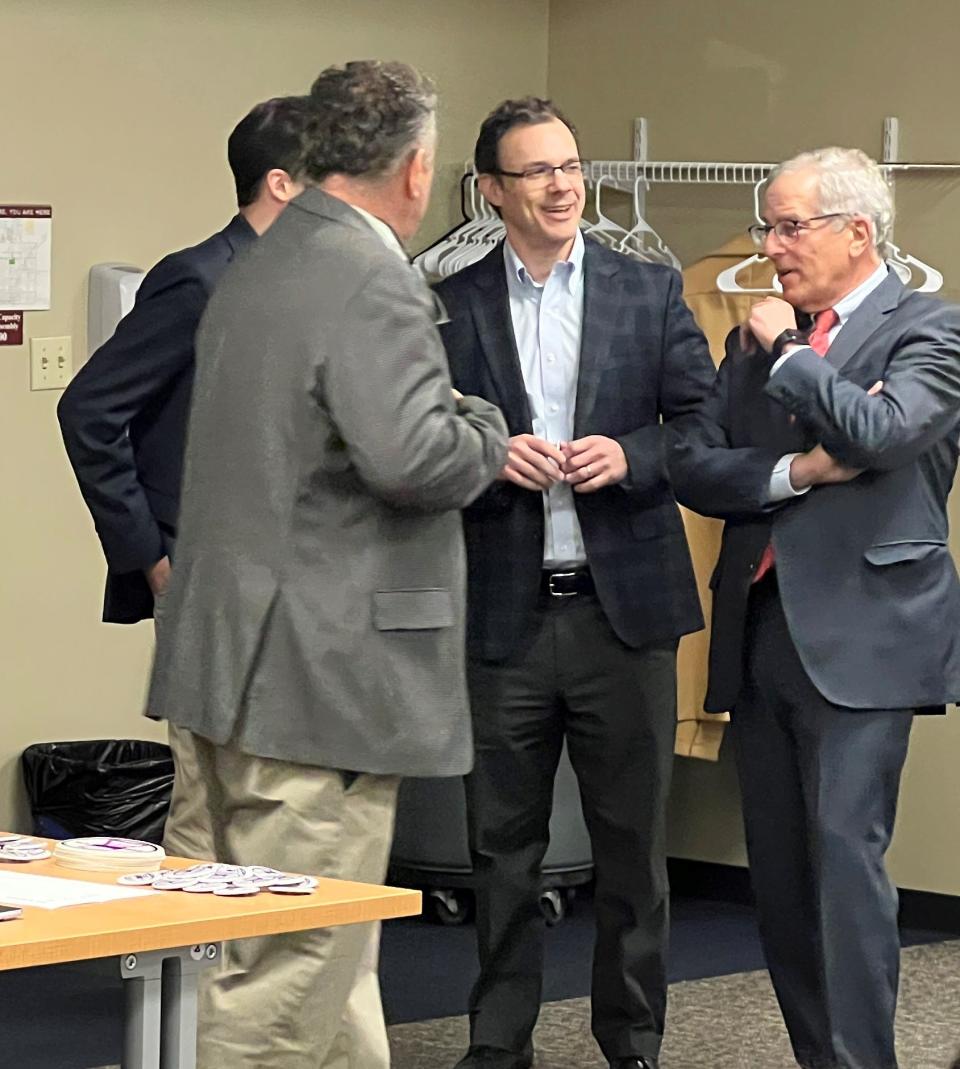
[849, 183]
[368, 116]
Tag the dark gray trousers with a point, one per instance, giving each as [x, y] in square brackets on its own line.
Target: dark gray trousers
[820, 785]
[616, 706]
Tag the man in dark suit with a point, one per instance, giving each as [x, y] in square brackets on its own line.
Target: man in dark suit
[579, 582]
[830, 454]
[124, 415]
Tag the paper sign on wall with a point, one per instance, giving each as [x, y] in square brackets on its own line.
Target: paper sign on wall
[11, 328]
[25, 235]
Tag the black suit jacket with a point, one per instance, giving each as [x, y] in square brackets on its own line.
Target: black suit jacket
[124, 417]
[642, 358]
[866, 580]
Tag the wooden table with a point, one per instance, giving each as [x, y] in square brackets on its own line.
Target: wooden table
[164, 940]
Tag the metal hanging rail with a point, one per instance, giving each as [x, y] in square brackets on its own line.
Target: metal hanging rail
[623, 173]
[629, 171]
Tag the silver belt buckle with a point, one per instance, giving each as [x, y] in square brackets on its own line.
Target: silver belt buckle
[560, 593]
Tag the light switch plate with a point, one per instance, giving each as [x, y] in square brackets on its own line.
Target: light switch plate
[51, 363]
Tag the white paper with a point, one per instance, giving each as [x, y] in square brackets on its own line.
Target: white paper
[51, 892]
[25, 238]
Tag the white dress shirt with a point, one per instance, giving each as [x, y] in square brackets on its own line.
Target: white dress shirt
[384, 231]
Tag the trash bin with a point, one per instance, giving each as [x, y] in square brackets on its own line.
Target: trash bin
[115, 787]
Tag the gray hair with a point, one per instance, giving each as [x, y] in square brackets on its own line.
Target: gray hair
[368, 116]
[849, 183]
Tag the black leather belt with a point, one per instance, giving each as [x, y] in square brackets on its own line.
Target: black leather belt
[567, 584]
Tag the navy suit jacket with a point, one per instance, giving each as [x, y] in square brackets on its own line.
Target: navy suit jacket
[642, 359]
[124, 417]
[866, 580]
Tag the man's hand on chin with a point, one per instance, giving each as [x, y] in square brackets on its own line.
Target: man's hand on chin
[768, 319]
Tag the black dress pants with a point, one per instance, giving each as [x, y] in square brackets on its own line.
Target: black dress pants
[616, 706]
[820, 785]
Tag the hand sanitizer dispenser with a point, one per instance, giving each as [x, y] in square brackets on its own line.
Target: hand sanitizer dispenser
[112, 290]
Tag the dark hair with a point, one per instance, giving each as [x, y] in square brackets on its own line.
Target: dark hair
[528, 111]
[366, 116]
[271, 135]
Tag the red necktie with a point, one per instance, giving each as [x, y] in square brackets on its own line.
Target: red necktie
[824, 322]
[819, 342]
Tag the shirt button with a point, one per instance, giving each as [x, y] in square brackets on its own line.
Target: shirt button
[551, 359]
[554, 408]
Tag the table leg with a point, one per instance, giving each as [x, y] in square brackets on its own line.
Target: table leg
[160, 987]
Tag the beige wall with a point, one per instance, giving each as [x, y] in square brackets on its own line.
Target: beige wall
[125, 136]
[744, 80]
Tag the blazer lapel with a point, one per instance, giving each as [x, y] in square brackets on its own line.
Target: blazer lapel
[599, 309]
[491, 310]
[865, 320]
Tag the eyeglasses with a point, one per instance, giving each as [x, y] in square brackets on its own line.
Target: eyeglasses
[787, 230]
[543, 173]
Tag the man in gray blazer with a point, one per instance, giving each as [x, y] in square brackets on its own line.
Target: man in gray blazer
[315, 652]
[830, 454]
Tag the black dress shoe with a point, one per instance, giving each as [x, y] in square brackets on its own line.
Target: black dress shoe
[635, 1061]
[494, 1058]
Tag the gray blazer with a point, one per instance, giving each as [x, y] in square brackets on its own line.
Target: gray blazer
[316, 610]
[867, 582]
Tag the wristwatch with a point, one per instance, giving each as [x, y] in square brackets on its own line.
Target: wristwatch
[785, 338]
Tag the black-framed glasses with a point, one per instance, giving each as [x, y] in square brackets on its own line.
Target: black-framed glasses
[788, 230]
[543, 173]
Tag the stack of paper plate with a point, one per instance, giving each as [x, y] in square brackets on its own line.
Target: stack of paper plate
[104, 853]
[21, 848]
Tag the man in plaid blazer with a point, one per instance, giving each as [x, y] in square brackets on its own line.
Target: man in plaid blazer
[579, 582]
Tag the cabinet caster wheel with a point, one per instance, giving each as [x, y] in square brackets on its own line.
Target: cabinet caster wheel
[448, 907]
[553, 906]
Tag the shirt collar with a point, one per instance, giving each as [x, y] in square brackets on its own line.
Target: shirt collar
[846, 306]
[569, 269]
[384, 231]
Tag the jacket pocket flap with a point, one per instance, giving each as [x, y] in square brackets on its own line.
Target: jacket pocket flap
[656, 521]
[899, 552]
[412, 610]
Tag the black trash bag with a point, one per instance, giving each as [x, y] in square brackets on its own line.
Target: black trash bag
[117, 787]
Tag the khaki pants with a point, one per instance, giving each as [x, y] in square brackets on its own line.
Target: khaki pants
[304, 1000]
[189, 829]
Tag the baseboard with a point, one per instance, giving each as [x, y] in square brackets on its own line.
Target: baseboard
[925, 909]
[708, 879]
[731, 883]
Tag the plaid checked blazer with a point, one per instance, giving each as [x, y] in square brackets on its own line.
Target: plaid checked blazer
[642, 360]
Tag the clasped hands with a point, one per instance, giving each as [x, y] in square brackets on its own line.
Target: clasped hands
[588, 464]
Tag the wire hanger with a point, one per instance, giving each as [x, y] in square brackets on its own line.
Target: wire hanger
[903, 264]
[467, 242]
[727, 279]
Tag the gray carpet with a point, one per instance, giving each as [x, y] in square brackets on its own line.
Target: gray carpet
[728, 1022]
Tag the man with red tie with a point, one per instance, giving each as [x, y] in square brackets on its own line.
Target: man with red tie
[830, 454]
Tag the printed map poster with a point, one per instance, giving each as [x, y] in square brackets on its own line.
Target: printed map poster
[25, 233]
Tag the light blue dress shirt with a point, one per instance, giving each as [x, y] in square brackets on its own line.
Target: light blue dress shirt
[548, 326]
